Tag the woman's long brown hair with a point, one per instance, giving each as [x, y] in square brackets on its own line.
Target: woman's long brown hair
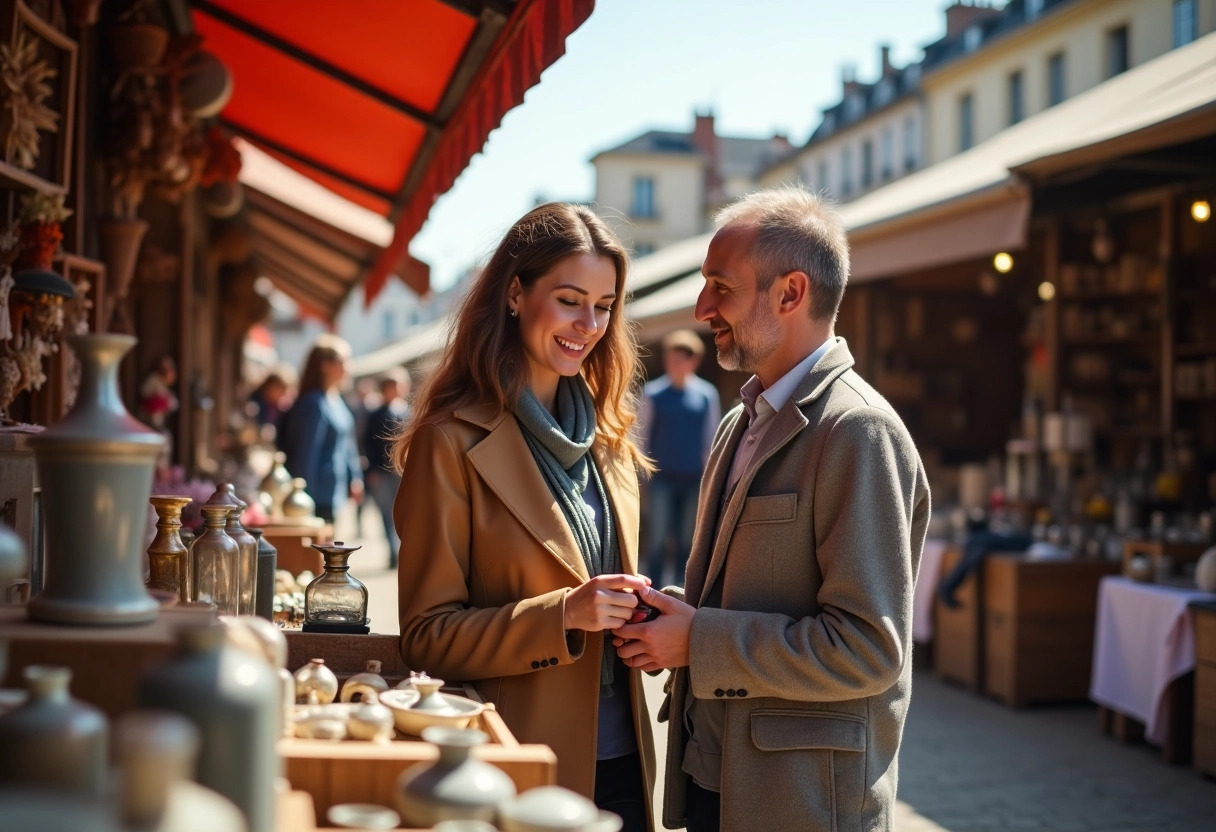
[485, 361]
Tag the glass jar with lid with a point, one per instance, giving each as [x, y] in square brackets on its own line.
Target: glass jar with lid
[335, 601]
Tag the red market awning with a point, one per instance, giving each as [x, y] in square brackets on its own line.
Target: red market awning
[383, 102]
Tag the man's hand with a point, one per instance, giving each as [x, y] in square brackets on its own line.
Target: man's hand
[603, 603]
[658, 644]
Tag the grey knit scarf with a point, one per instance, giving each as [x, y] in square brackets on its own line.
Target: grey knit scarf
[560, 447]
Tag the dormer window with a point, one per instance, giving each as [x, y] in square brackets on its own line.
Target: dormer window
[829, 122]
[972, 38]
[1034, 8]
[883, 94]
[911, 76]
[853, 106]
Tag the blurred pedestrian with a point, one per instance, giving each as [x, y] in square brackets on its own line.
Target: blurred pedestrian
[383, 425]
[680, 413]
[318, 432]
[269, 400]
[793, 655]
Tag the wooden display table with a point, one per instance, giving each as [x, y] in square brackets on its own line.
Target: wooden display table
[1204, 748]
[1039, 627]
[294, 544]
[352, 771]
[957, 631]
[106, 662]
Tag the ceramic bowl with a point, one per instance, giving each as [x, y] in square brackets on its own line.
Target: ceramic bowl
[459, 714]
[554, 809]
[370, 721]
[362, 816]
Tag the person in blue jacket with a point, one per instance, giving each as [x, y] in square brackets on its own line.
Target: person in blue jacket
[318, 433]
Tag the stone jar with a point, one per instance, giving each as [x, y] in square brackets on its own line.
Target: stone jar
[168, 557]
[95, 467]
[232, 697]
[268, 560]
[53, 740]
[154, 750]
[454, 787]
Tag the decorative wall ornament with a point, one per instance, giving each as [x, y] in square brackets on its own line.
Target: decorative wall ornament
[26, 91]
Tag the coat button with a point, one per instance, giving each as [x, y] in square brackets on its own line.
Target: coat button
[730, 692]
[536, 665]
[719, 692]
[553, 661]
[743, 691]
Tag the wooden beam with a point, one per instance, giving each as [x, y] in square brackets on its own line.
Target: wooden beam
[351, 245]
[308, 59]
[283, 150]
[326, 284]
[474, 8]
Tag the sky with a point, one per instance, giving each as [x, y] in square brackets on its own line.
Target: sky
[763, 66]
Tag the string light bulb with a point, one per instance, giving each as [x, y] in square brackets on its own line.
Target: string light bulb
[1201, 211]
[1047, 290]
[1003, 262]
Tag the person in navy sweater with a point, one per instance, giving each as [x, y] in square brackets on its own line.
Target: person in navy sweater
[680, 413]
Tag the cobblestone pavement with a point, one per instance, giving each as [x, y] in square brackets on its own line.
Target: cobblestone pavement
[969, 764]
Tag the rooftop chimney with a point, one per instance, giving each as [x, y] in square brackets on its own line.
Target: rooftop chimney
[848, 80]
[963, 14]
[885, 69]
[705, 139]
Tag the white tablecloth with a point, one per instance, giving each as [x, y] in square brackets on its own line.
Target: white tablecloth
[1144, 640]
[927, 579]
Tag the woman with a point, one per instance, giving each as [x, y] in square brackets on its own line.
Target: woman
[318, 433]
[518, 507]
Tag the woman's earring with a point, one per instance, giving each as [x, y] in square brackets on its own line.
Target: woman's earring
[513, 313]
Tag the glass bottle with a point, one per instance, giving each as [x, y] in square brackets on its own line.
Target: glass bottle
[168, 557]
[334, 597]
[247, 561]
[215, 560]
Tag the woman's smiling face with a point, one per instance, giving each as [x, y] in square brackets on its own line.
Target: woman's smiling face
[562, 316]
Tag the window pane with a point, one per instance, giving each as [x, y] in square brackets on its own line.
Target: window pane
[643, 197]
[1016, 112]
[888, 153]
[1184, 22]
[1116, 51]
[1055, 79]
[867, 163]
[965, 132]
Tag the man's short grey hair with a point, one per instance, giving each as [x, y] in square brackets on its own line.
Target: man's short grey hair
[797, 230]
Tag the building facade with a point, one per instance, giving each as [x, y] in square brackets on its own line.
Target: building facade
[995, 68]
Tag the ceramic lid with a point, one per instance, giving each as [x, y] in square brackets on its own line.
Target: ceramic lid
[551, 807]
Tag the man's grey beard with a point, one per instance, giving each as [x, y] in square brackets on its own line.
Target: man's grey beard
[763, 338]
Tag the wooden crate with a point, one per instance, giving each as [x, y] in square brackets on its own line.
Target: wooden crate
[107, 663]
[346, 655]
[1204, 747]
[364, 772]
[957, 643]
[293, 541]
[1039, 628]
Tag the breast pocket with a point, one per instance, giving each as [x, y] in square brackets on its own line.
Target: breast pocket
[812, 760]
[770, 508]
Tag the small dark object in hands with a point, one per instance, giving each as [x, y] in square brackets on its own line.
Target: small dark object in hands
[644, 612]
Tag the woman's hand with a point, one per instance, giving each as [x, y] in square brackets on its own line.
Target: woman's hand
[603, 603]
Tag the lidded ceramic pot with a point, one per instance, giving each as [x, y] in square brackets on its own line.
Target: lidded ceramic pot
[365, 686]
[232, 697]
[297, 504]
[317, 679]
[95, 467]
[454, 787]
[53, 740]
[268, 558]
[247, 562]
[276, 485]
[334, 597]
[215, 562]
[168, 557]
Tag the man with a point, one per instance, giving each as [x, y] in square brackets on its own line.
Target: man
[383, 424]
[680, 412]
[792, 658]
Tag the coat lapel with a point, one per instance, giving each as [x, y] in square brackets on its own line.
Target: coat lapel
[505, 463]
[621, 483]
[709, 504]
[786, 424]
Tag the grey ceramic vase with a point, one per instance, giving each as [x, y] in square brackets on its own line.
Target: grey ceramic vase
[454, 787]
[95, 467]
[268, 561]
[53, 740]
[232, 697]
[154, 750]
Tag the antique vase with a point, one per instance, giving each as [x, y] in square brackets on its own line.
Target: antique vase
[454, 787]
[96, 469]
[168, 557]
